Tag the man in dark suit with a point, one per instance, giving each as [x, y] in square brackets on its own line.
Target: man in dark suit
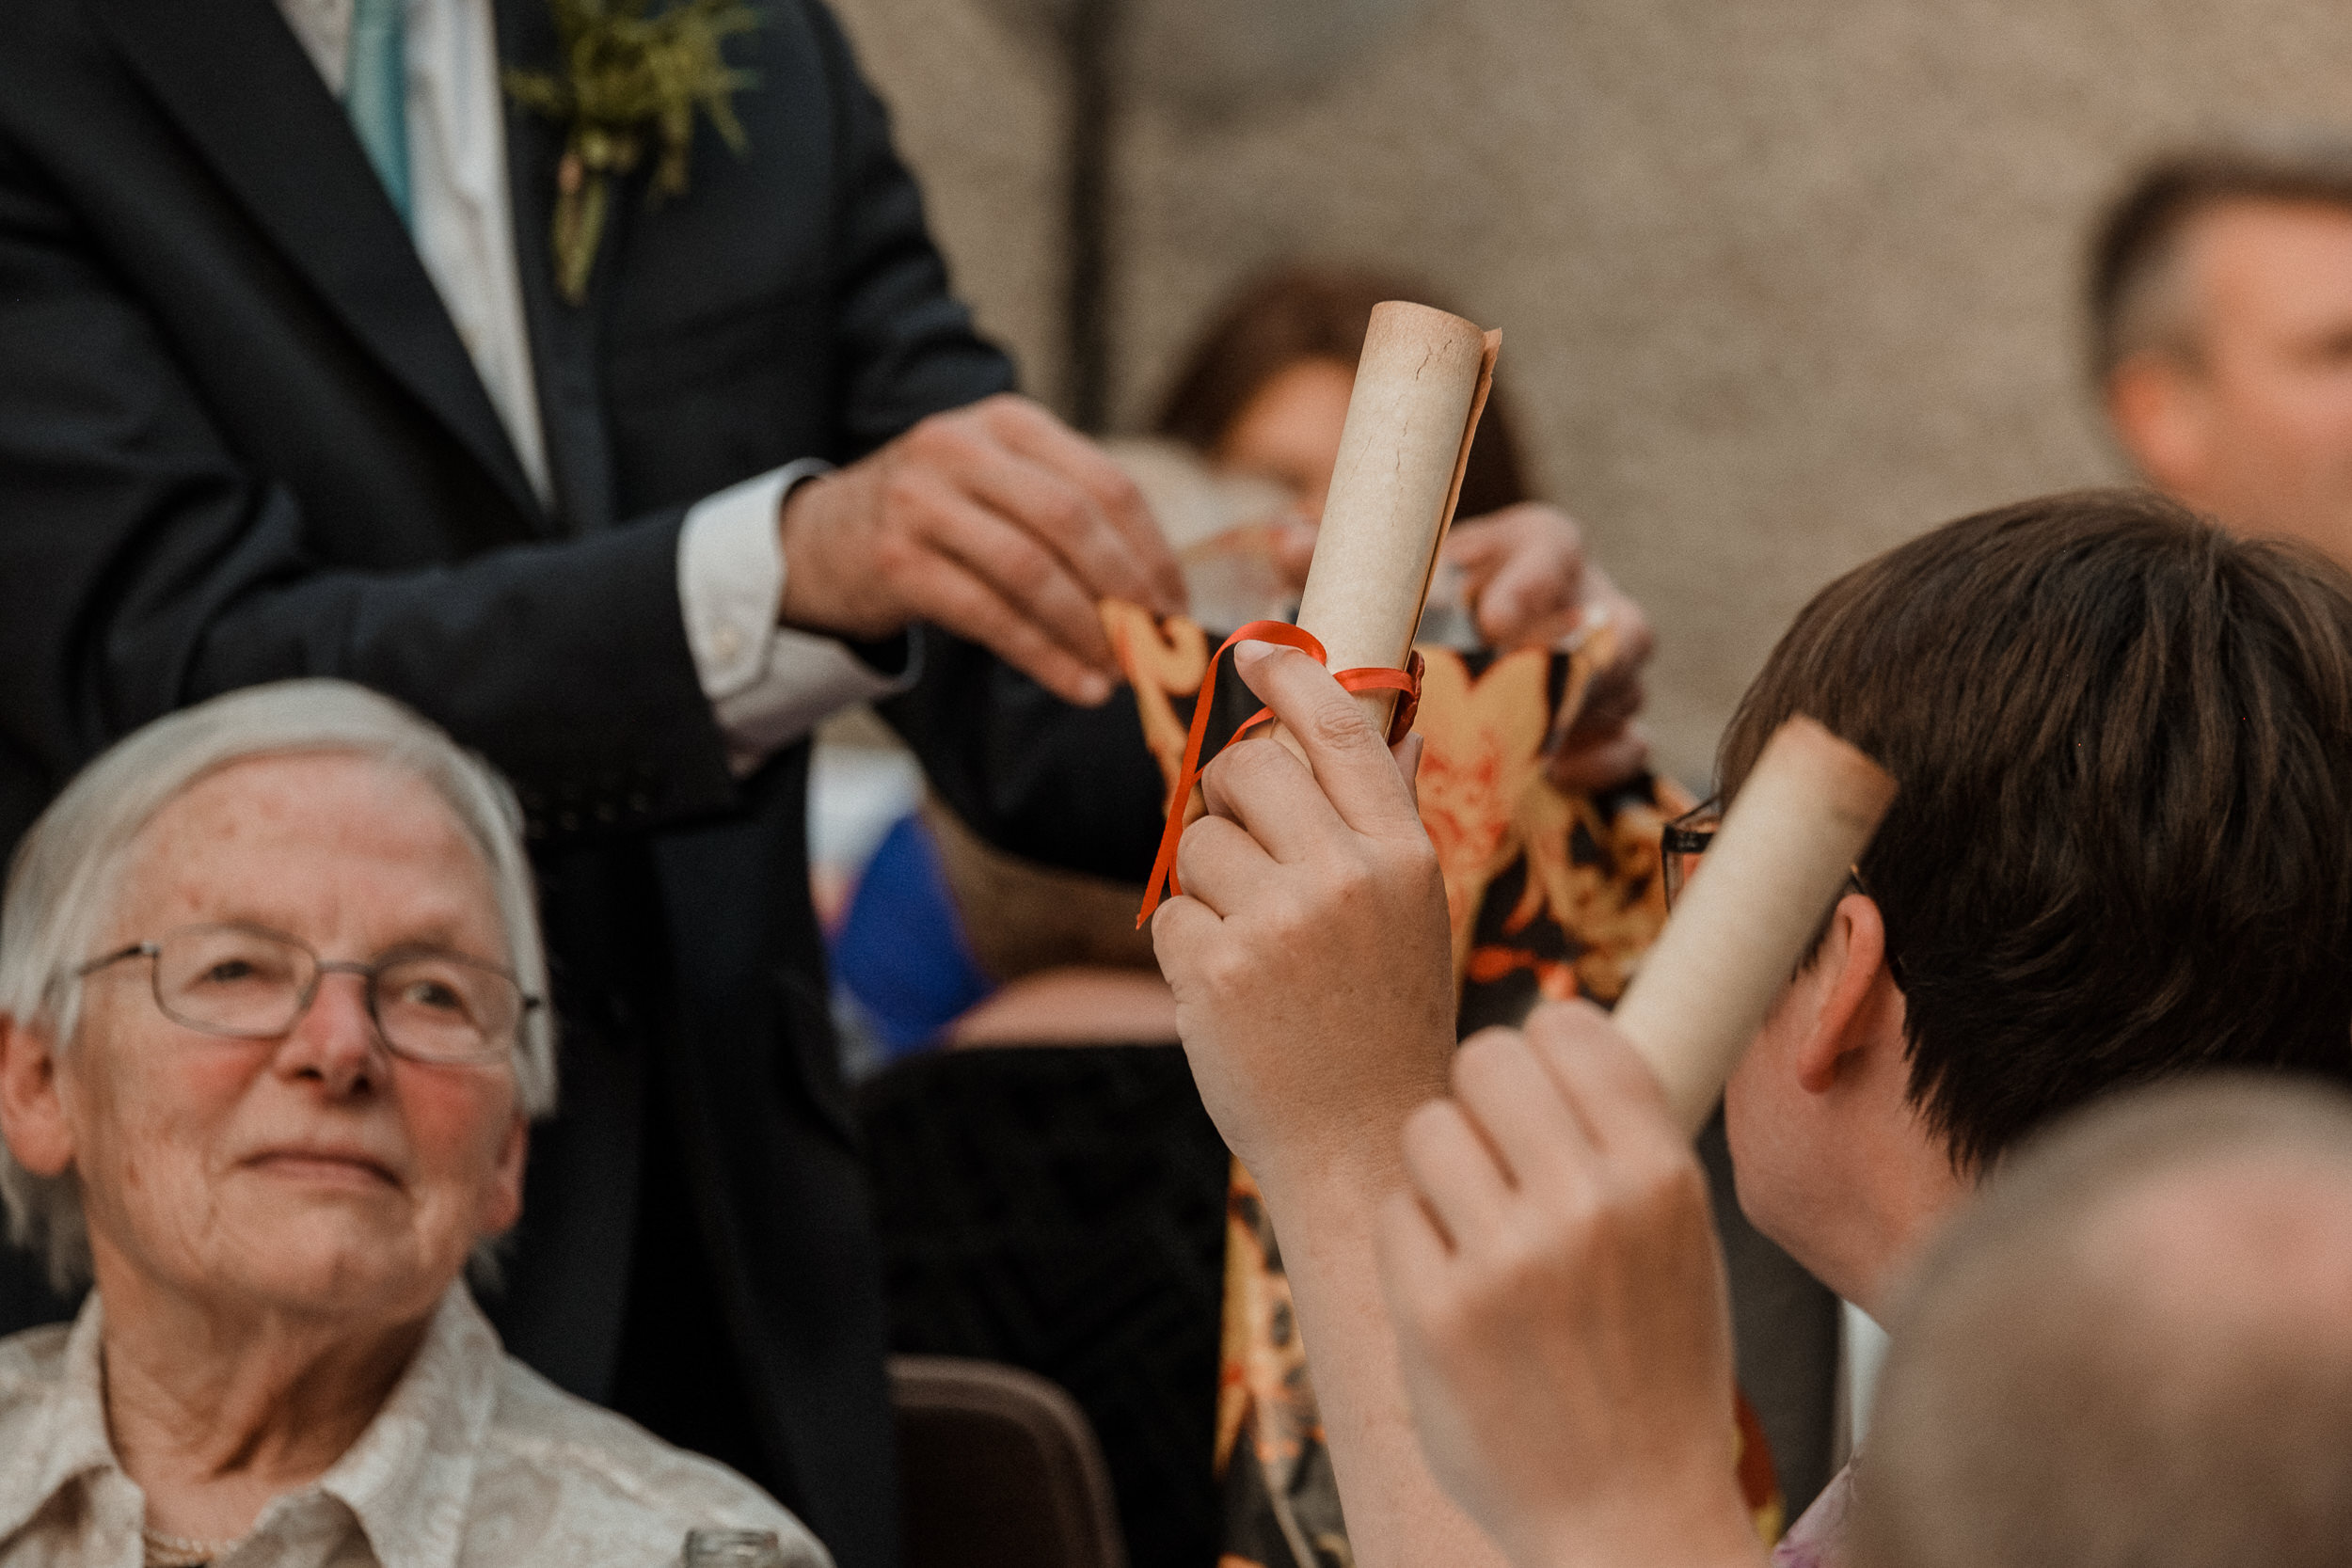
[251, 428]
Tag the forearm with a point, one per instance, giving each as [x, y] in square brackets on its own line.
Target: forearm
[1325, 1220]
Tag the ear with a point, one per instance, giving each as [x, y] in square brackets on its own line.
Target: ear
[2162, 415]
[1847, 972]
[32, 1114]
[503, 1206]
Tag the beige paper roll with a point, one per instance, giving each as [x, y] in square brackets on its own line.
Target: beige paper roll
[1775, 868]
[1419, 389]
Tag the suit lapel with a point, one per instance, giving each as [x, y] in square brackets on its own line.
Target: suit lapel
[231, 75]
[564, 337]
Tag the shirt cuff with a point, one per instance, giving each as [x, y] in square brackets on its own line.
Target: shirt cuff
[768, 685]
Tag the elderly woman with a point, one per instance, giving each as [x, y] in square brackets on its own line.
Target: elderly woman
[272, 1031]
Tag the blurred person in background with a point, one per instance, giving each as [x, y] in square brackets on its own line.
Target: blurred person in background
[273, 1027]
[2220, 304]
[2116, 857]
[944, 940]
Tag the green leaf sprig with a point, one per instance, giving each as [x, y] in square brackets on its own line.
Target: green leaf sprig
[626, 74]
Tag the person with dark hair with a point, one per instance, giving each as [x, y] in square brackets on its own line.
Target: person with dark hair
[2117, 858]
[2220, 311]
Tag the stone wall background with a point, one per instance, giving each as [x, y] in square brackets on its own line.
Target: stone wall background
[1782, 281]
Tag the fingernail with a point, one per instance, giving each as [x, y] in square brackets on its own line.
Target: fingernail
[1094, 689]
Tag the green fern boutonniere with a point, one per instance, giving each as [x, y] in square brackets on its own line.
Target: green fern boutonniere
[626, 76]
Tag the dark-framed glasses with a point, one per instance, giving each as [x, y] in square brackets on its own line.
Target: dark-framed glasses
[428, 1005]
[1683, 841]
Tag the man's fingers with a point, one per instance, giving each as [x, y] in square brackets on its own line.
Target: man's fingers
[1350, 760]
[1055, 509]
[947, 593]
[1520, 1108]
[1612, 1092]
[1454, 1172]
[1031, 431]
[1636, 640]
[1220, 864]
[1525, 573]
[1181, 926]
[1022, 570]
[1526, 604]
[1588, 766]
[1269, 792]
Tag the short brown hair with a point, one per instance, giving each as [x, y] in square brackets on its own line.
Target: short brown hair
[2124, 745]
[2133, 253]
[2067, 1387]
[1306, 313]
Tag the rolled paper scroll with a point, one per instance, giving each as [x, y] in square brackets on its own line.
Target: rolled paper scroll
[1738, 931]
[1420, 388]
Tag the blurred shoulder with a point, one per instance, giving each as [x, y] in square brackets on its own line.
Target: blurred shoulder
[32, 1371]
[31, 1362]
[561, 1482]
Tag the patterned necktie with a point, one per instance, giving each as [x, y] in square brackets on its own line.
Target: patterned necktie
[375, 92]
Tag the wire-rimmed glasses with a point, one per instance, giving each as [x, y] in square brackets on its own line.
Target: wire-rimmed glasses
[243, 982]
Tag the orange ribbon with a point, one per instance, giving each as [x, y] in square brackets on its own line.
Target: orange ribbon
[1371, 678]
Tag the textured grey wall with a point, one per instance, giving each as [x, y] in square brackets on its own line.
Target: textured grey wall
[1781, 281]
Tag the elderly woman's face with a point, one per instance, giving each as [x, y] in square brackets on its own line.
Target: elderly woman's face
[315, 1170]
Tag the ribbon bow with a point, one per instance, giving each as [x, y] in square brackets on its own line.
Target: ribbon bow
[1370, 679]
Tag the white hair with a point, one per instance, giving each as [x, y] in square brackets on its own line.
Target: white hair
[68, 871]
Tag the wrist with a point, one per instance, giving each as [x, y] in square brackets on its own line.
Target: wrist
[814, 521]
[1701, 1525]
[1349, 1164]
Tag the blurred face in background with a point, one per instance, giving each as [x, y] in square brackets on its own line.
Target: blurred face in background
[1288, 432]
[2248, 416]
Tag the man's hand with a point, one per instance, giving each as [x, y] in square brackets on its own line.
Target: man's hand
[1560, 1305]
[1531, 585]
[997, 522]
[1309, 953]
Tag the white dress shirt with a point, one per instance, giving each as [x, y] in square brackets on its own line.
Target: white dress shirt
[768, 685]
[474, 1461]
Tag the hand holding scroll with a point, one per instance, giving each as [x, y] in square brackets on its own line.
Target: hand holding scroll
[1314, 995]
[1560, 1305]
[1309, 953]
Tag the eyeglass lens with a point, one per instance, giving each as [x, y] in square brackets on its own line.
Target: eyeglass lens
[431, 1007]
[1680, 845]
